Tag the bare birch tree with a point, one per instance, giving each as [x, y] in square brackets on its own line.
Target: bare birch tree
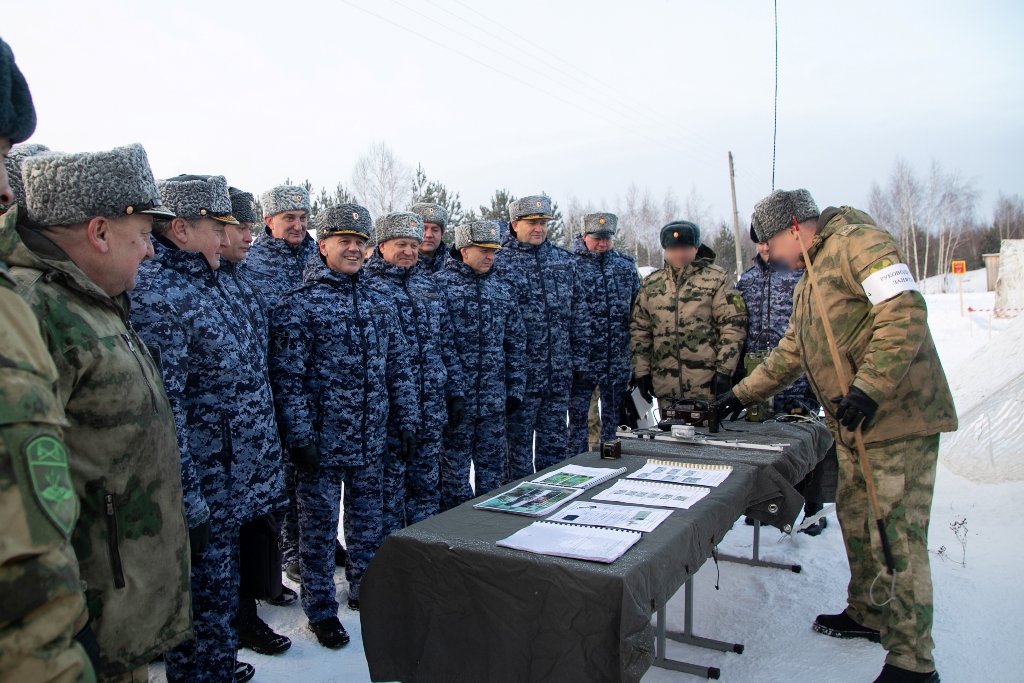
[381, 181]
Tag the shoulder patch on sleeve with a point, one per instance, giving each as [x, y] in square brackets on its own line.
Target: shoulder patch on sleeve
[879, 265]
[737, 301]
[279, 340]
[47, 462]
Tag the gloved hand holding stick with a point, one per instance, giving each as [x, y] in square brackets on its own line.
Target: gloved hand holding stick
[844, 386]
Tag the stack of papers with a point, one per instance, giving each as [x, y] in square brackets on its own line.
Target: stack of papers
[570, 540]
[577, 477]
[653, 493]
[682, 473]
[618, 516]
[530, 499]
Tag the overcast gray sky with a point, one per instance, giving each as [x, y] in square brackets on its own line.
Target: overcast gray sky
[570, 97]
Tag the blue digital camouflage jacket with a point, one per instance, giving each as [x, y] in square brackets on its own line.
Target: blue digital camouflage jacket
[216, 378]
[491, 339]
[610, 285]
[545, 281]
[340, 365]
[236, 281]
[428, 328]
[768, 294]
[275, 267]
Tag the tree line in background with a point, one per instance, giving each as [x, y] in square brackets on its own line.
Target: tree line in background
[933, 217]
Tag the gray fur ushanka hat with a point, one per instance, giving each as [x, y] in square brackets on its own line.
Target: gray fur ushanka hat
[64, 189]
[285, 198]
[13, 163]
[198, 196]
[431, 213]
[776, 212]
[343, 219]
[600, 224]
[485, 234]
[397, 225]
[535, 206]
[680, 234]
[243, 205]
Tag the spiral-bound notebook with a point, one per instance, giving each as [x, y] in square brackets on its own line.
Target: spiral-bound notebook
[682, 473]
[596, 544]
[657, 493]
[577, 477]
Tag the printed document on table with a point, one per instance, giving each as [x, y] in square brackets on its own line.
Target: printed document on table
[682, 473]
[577, 477]
[618, 516]
[653, 493]
[569, 540]
[532, 500]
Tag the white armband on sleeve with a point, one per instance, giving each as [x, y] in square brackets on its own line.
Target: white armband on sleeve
[886, 283]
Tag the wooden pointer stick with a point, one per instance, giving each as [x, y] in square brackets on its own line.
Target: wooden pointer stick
[844, 387]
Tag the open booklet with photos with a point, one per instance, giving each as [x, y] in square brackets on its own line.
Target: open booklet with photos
[578, 477]
[530, 499]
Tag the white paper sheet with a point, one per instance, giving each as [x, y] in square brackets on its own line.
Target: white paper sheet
[569, 540]
[618, 516]
[653, 493]
[682, 473]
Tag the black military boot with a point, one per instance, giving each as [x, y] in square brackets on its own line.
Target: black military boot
[842, 626]
[339, 554]
[353, 604]
[811, 509]
[329, 632]
[244, 672]
[894, 674]
[254, 633]
[287, 597]
[292, 572]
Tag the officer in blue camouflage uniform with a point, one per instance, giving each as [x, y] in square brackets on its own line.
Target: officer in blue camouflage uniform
[491, 342]
[610, 285]
[280, 252]
[216, 377]
[432, 250]
[546, 284]
[767, 291]
[411, 491]
[340, 366]
[233, 276]
[275, 265]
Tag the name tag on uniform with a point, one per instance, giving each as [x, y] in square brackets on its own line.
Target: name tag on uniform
[560, 266]
[430, 295]
[886, 283]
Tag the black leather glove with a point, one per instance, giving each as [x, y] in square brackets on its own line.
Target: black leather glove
[407, 447]
[307, 458]
[87, 640]
[720, 384]
[198, 539]
[456, 411]
[854, 408]
[579, 376]
[728, 404]
[646, 386]
[512, 405]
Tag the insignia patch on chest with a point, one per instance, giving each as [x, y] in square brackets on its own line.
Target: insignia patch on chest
[279, 341]
[47, 461]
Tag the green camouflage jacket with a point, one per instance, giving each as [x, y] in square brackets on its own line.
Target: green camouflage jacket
[687, 325]
[131, 540]
[42, 597]
[888, 346]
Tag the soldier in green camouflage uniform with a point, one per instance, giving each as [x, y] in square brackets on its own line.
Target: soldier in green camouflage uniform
[689, 321]
[42, 601]
[899, 396]
[131, 541]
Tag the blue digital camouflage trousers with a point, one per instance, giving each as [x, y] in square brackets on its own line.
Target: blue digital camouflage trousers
[319, 501]
[482, 441]
[411, 490]
[545, 415]
[210, 658]
[289, 517]
[579, 407]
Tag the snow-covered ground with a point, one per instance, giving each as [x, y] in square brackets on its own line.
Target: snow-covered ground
[770, 611]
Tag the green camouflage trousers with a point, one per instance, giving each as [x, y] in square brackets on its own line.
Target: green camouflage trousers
[904, 473]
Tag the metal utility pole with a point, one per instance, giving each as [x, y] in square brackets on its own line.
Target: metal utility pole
[735, 220]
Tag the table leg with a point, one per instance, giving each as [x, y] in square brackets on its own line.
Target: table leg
[687, 635]
[673, 665]
[755, 560]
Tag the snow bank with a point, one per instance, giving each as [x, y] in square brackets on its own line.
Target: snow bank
[1010, 284]
[974, 281]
